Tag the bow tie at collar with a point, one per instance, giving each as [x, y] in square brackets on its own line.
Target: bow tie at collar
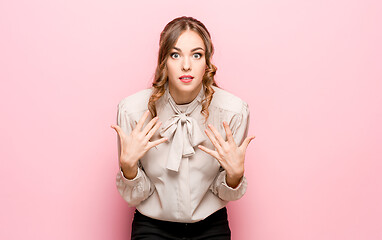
[184, 129]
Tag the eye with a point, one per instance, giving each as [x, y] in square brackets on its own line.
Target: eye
[174, 54]
[198, 54]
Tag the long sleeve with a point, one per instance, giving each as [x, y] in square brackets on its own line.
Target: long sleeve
[239, 126]
[133, 191]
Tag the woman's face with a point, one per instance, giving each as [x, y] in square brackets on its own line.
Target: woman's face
[186, 58]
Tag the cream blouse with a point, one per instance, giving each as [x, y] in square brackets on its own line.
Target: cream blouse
[177, 181]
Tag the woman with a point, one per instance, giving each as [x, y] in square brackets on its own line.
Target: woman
[181, 177]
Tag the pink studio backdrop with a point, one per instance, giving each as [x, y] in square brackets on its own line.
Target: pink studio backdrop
[310, 71]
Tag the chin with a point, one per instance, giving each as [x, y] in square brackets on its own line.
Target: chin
[190, 88]
[187, 86]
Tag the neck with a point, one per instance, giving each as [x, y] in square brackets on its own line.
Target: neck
[184, 98]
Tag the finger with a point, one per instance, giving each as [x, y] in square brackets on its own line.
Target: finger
[119, 130]
[228, 133]
[153, 130]
[210, 152]
[217, 134]
[157, 142]
[214, 141]
[139, 125]
[150, 125]
[246, 142]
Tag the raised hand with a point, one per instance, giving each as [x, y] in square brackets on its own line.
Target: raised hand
[135, 145]
[230, 156]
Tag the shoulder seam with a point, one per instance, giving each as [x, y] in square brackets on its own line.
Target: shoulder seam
[237, 109]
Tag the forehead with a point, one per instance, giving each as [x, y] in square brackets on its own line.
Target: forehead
[189, 40]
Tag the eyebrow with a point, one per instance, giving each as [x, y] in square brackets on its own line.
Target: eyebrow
[191, 50]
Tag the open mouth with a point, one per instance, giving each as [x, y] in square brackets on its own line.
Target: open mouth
[186, 78]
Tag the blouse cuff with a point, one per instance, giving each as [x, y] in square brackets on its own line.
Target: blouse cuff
[132, 182]
[227, 186]
[228, 193]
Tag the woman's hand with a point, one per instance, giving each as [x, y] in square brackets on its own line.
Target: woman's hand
[230, 156]
[134, 146]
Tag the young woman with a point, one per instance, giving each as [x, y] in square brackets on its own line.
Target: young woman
[181, 177]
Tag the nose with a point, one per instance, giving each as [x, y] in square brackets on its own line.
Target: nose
[186, 64]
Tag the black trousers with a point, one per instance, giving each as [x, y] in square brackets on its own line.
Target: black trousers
[214, 227]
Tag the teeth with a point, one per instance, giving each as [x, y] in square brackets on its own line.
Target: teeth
[186, 78]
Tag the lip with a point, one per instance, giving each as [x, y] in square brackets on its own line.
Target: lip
[186, 80]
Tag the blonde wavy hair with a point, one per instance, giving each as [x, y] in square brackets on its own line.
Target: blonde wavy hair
[168, 38]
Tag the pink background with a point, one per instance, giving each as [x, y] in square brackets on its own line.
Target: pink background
[310, 71]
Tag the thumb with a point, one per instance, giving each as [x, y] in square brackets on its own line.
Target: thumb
[247, 141]
[117, 129]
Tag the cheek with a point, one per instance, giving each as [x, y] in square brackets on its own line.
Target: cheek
[171, 69]
[202, 68]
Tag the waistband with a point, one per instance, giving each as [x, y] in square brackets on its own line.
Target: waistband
[219, 215]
